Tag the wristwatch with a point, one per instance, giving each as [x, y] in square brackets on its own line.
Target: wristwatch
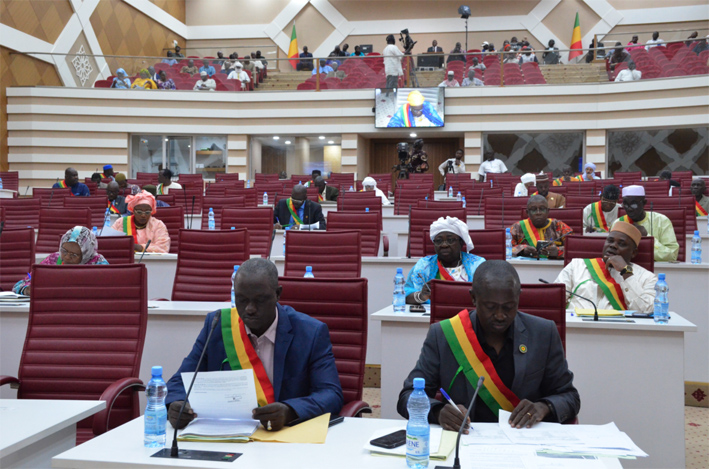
[628, 269]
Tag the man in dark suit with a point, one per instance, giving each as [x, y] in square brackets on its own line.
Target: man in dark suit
[293, 350]
[298, 211]
[436, 50]
[531, 373]
[306, 61]
[325, 192]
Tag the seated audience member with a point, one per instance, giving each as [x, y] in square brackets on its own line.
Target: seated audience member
[77, 246]
[123, 183]
[306, 60]
[452, 261]
[71, 181]
[205, 83]
[228, 65]
[490, 164]
[589, 172]
[612, 281]
[600, 216]
[108, 172]
[456, 54]
[96, 178]
[297, 212]
[450, 81]
[283, 175]
[333, 55]
[335, 72]
[165, 83]
[526, 56]
[551, 54]
[629, 74]
[345, 50]
[260, 58]
[357, 52]
[142, 225]
[701, 46]
[527, 234]
[170, 60]
[526, 181]
[120, 80]
[248, 66]
[325, 192]
[116, 203]
[667, 176]
[701, 201]
[618, 56]
[323, 68]
[290, 353]
[470, 80]
[520, 355]
[177, 52]
[219, 60]
[633, 44]
[691, 38]
[369, 184]
[190, 68]
[314, 174]
[453, 165]
[567, 175]
[554, 200]
[206, 67]
[654, 42]
[239, 74]
[144, 82]
[165, 184]
[153, 191]
[477, 65]
[416, 112]
[484, 47]
[153, 74]
[652, 224]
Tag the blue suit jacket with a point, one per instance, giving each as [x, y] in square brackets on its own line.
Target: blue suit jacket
[304, 372]
[80, 189]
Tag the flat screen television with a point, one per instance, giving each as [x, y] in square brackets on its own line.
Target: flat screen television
[409, 107]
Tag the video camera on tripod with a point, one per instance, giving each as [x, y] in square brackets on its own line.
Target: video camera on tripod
[406, 41]
[404, 167]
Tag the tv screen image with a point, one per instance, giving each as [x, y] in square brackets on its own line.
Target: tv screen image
[409, 107]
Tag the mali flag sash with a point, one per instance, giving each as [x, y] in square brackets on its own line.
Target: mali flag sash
[159, 190]
[320, 197]
[293, 212]
[599, 273]
[700, 210]
[63, 185]
[129, 228]
[242, 356]
[113, 208]
[531, 233]
[558, 182]
[626, 219]
[599, 217]
[404, 114]
[443, 273]
[469, 354]
[103, 175]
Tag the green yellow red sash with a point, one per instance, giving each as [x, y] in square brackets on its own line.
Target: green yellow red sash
[404, 113]
[467, 351]
[700, 210]
[320, 197]
[626, 219]
[242, 356]
[59, 260]
[103, 175]
[159, 190]
[113, 208]
[129, 228]
[557, 182]
[613, 291]
[443, 273]
[293, 212]
[531, 233]
[63, 185]
[599, 217]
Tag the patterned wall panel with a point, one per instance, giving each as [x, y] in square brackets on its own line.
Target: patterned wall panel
[42, 19]
[175, 8]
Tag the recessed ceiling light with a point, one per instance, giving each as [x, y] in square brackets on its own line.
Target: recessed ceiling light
[322, 137]
[330, 142]
[166, 140]
[287, 142]
[276, 137]
[412, 134]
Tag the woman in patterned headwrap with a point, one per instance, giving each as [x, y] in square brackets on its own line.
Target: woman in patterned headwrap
[77, 246]
[142, 225]
[144, 82]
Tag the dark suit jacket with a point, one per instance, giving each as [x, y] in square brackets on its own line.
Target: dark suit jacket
[120, 204]
[304, 372]
[437, 49]
[331, 193]
[311, 214]
[541, 373]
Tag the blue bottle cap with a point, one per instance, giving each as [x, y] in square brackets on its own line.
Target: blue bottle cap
[211, 210]
[399, 270]
[156, 371]
[696, 232]
[507, 230]
[236, 267]
[308, 268]
[419, 383]
[661, 276]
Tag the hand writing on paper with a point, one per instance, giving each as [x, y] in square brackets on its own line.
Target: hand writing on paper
[450, 418]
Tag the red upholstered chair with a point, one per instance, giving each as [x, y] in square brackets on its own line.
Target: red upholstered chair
[360, 202]
[250, 195]
[342, 305]
[167, 198]
[227, 177]
[93, 187]
[10, 180]
[503, 212]
[54, 222]
[97, 205]
[678, 217]
[183, 198]
[489, 244]
[344, 179]
[406, 197]
[16, 255]
[190, 178]
[300, 178]
[218, 189]
[686, 202]
[21, 213]
[51, 198]
[271, 189]
[174, 220]
[655, 188]
[571, 216]
[590, 247]
[116, 249]
[475, 198]
[366, 223]
[580, 201]
[580, 188]
[331, 254]
[631, 176]
[262, 177]
[66, 356]
[151, 177]
[443, 205]
[420, 219]
[259, 223]
[219, 204]
[2, 215]
[203, 272]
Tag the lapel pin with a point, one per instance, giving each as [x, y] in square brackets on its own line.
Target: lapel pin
[523, 348]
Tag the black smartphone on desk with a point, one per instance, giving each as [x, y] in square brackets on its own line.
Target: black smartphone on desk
[390, 441]
[335, 419]
[417, 309]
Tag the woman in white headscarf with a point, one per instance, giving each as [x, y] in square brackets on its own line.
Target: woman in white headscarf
[522, 187]
[589, 172]
[369, 184]
[452, 260]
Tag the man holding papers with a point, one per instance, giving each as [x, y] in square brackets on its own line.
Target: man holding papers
[612, 281]
[520, 355]
[289, 352]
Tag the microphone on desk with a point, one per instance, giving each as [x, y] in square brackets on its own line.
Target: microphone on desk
[144, 250]
[456, 463]
[595, 309]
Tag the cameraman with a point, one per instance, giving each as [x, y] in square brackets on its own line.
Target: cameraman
[453, 165]
[392, 62]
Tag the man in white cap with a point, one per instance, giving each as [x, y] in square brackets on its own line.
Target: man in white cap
[522, 187]
[652, 224]
[205, 83]
[452, 261]
[239, 74]
[369, 184]
[612, 281]
[589, 172]
[450, 81]
[537, 227]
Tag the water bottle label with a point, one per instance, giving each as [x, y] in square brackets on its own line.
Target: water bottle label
[416, 445]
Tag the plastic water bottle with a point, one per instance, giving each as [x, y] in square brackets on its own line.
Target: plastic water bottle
[233, 277]
[309, 272]
[94, 230]
[248, 184]
[508, 244]
[418, 430]
[300, 182]
[233, 227]
[399, 295]
[662, 300]
[696, 248]
[464, 203]
[0, 183]
[351, 189]
[107, 218]
[450, 191]
[155, 417]
[285, 232]
[265, 198]
[459, 197]
[490, 183]
[211, 219]
[366, 209]
[707, 224]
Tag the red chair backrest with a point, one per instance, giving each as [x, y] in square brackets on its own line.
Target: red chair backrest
[579, 188]
[182, 178]
[218, 189]
[219, 204]
[116, 249]
[51, 198]
[83, 358]
[633, 176]
[16, 255]
[203, 272]
[258, 177]
[542, 300]
[54, 222]
[344, 179]
[475, 198]
[93, 187]
[97, 205]
[230, 177]
[406, 197]
[250, 195]
[571, 216]
[655, 188]
[686, 202]
[174, 220]
[342, 305]
[152, 177]
[258, 221]
[678, 217]
[580, 201]
[335, 254]
[2, 215]
[272, 189]
[591, 247]
[503, 212]
[443, 205]
[10, 180]
[366, 223]
[421, 219]
[489, 244]
[360, 202]
[298, 178]
[167, 198]
[183, 198]
[21, 213]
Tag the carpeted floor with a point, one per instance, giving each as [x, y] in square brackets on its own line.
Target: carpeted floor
[696, 430]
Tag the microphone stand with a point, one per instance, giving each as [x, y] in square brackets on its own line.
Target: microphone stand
[145, 249]
[595, 309]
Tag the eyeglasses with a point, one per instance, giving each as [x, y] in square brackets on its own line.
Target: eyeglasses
[142, 212]
[69, 255]
[441, 241]
[537, 210]
[632, 205]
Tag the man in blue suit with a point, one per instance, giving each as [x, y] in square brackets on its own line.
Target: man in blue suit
[294, 349]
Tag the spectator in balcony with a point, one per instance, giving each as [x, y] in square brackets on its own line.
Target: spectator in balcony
[435, 48]
[153, 74]
[450, 81]
[595, 52]
[249, 66]
[515, 44]
[258, 63]
[306, 60]
[654, 42]
[629, 74]
[177, 51]
[491, 48]
[526, 56]
[190, 68]
[456, 54]
[701, 46]
[170, 60]
[165, 83]
[207, 68]
[239, 74]
[477, 65]
[633, 44]
[120, 80]
[332, 56]
[392, 62]
[336, 73]
[144, 82]
[205, 83]
[260, 58]
[551, 54]
[618, 56]
[357, 52]
[345, 50]
[219, 60]
[691, 38]
[323, 68]
[470, 80]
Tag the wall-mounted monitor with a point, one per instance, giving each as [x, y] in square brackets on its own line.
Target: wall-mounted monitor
[409, 107]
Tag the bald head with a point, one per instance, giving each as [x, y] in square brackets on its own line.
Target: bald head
[537, 199]
[112, 190]
[71, 177]
[259, 269]
[299, 192]
[319, 182]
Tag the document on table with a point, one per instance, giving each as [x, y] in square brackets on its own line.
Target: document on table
[8, 296]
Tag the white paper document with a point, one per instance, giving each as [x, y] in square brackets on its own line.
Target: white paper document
[220, 427]
[542, 433]
[222, 394]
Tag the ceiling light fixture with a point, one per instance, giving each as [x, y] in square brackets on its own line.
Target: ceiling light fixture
[287, 142]
[330, 142]
[412, 134]
[322, 137]
[276, 137]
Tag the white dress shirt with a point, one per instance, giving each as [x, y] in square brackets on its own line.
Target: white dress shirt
[588, 220]
[628, 75]
[457, 168]
[494, 166]
[392, 60]
[265, 346]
